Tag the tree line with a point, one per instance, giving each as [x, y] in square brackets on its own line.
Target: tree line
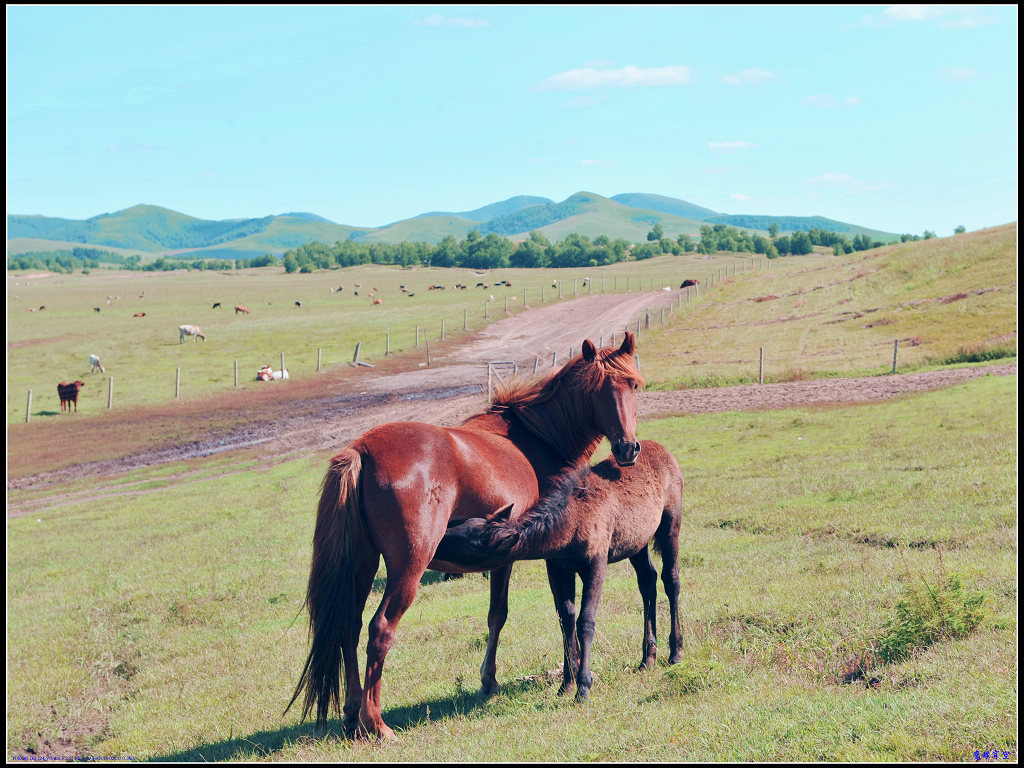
[479, 251]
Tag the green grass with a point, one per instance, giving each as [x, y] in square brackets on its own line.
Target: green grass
[142, 354]
[166, 624]
[945, 301]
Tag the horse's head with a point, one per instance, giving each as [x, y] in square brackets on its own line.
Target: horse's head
[615, 399]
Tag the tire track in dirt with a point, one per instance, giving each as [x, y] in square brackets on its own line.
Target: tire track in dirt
[454, 390]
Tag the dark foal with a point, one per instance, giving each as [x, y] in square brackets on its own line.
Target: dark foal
[589, 518]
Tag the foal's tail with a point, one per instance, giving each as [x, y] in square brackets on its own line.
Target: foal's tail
[330, 595]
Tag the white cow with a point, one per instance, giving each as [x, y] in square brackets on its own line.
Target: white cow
[95, 364]
[190, 330]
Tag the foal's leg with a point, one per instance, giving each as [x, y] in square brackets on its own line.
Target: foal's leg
[667, 537]
[593, 582]
[497, 613]
[563, 589]
[647, 581]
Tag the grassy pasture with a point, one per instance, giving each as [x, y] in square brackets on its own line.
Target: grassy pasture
[841, 315]
[52, 345]
[148, 623]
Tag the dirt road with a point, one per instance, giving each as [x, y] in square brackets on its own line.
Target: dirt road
[453, 388]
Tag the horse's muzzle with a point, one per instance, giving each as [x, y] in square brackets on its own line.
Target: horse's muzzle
[626, 452]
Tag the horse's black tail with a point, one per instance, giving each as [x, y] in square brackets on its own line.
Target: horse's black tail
[330, 594]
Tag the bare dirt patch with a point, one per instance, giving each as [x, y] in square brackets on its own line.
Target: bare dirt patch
[325, 413]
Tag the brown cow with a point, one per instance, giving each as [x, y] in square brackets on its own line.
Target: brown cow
[688, 283]
[241, 308]
[377, 301]
[69, 394]
[139, 314]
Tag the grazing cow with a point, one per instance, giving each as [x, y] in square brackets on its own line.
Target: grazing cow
[241, 308]
[298, 303]
[95, 364]
[95, 309]
[688, 283]
[377, 301]
[190, 330]
[69, 394]
[216, 305]
[139, 314]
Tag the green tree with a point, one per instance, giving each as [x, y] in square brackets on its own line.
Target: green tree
[656, 233]
[960, 230]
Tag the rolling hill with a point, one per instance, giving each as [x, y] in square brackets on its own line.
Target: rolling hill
[155, 231]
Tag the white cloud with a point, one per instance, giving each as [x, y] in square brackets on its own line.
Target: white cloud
[134, 147]
[752, 76]
[957, 74]
[845, 182]
[739, 197]
[623, 77]
[730, 146]
[828, 101]
[582, 102]
[437, 20]
[946, 16]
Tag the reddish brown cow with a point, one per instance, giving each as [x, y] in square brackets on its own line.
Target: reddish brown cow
[69, 394]
[688, 283]
[139, 314]
[241, 308]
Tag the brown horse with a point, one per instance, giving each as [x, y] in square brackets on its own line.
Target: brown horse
[590, 518]
[396, 488]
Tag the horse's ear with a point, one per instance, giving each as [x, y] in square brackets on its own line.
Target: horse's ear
[589, 351]
[501, 514]
[628, 344]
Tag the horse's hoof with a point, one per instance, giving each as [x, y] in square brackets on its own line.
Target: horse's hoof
[487, 690]
[582, 696]
[375, 731]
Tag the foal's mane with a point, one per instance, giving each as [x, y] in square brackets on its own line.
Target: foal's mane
[555, 407]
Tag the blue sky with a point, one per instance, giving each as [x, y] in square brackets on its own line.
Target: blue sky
[900, 118]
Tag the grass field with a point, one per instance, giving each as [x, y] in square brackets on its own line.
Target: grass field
[142, 354]
[163, 621]
[850, 573]
[815, 316]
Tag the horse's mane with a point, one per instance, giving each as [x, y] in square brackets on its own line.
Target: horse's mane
[554, 407]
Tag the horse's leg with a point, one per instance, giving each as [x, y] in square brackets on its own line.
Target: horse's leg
[399, 593]
[647, 581]
[497, 613]
[668, 543]
[593, 583]
[366, 569]
[562, 581]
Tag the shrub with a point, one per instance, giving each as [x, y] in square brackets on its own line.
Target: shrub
[929, 614]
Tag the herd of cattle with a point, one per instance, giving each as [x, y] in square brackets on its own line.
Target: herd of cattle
[68, 391]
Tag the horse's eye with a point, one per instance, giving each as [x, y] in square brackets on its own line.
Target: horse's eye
[635, 386]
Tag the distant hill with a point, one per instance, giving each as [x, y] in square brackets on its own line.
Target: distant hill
[664, 204]
[153, 231]
[797, 224]
[494, 210]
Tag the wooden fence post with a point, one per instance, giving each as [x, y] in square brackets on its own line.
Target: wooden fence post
[895, 351]
[28, 408]
[318, 356]
[110, 393]
[177, 382]
[236, 373]
[760, 371]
